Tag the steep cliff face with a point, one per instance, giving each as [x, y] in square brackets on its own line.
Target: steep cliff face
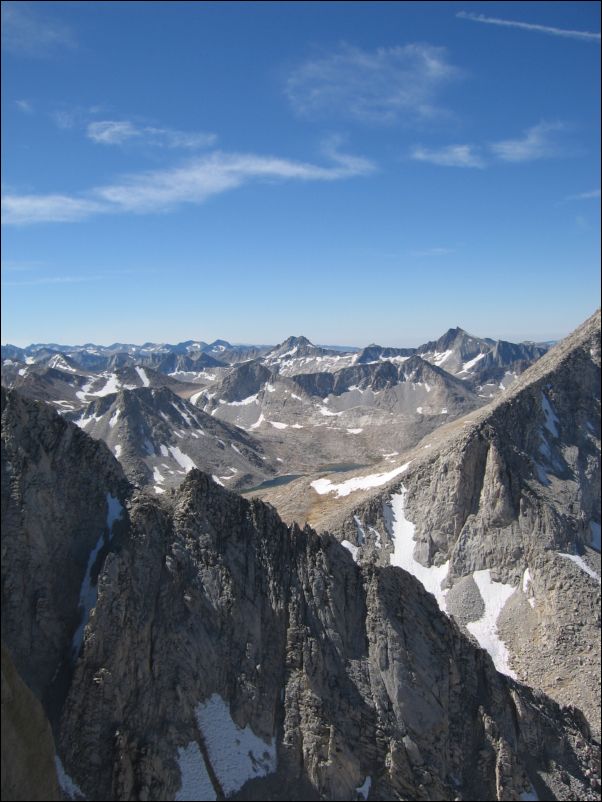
[514, 491]
[215, 617]
[226, 653]
[59, 490]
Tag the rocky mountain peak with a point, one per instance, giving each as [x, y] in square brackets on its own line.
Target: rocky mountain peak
[226, 652]
[438, 638]
[217, 346]
[507, 501]
[293, 347]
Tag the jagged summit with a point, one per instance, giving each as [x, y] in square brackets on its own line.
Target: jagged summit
[458, 341]
[506, 501]
[158, 437]
[205, 619]
[293, 346]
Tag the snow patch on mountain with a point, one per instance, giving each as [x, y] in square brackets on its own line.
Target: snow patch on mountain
[195, 780]
[249, 400]
[143, 377]
[403, 551]
[182, 459]
[236, 754]
[494, 595]
[527, 587]
[112, 386]
[353, 550]
[88, 593]
[471, 363]
[323, 486]
[440, 358]
[81, 394]
[581, 563]
[68, 786]
[363, 790]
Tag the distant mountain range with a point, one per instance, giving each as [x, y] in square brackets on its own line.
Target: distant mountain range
[303, 406]
[434, 635]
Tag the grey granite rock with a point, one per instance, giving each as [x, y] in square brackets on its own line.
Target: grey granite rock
[513, 488]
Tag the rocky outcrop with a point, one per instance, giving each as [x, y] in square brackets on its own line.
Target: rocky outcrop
[376, 353]
[56, 484]
[351, 670]
[223, 652]
[515, 489]
[158, 436]
[379, 376]
[244, 380]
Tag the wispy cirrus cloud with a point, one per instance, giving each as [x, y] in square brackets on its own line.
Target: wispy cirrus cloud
[538, 142]
[428, 252]
[25, 106]
[119, 132]
[63, 119]
[584, 36]
[52, 280]
[163, 190]
[591, 195]
[20, 265]
[198, 180]
[378, 86]
[449, 156]
[27, 209]
[28, 32]
[541, 141]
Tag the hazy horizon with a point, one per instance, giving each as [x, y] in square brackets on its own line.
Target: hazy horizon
[516, 338]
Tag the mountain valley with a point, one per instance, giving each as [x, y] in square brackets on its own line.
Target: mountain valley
[404, 602]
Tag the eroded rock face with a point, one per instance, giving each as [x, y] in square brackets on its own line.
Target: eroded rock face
[214, 622]
[516, 490]
[55, 483]
[352, 671]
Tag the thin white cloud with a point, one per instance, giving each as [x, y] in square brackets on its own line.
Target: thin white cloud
[20, 265]
[111, 132]
[537, 143]
[53, 280]
[25, 106]
[163, 190]
[591, 195]
[25, 209]
[379, 86]
[171, 138]
[27, 32]
[118, 132]
[449, 156]
[64, 119]
[218, 172]
[585, 36]
[426, 252]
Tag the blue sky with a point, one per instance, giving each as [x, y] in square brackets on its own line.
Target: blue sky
[356, 172]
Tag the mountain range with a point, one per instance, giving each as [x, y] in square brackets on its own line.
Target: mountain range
[305, 406]
[404, 603]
